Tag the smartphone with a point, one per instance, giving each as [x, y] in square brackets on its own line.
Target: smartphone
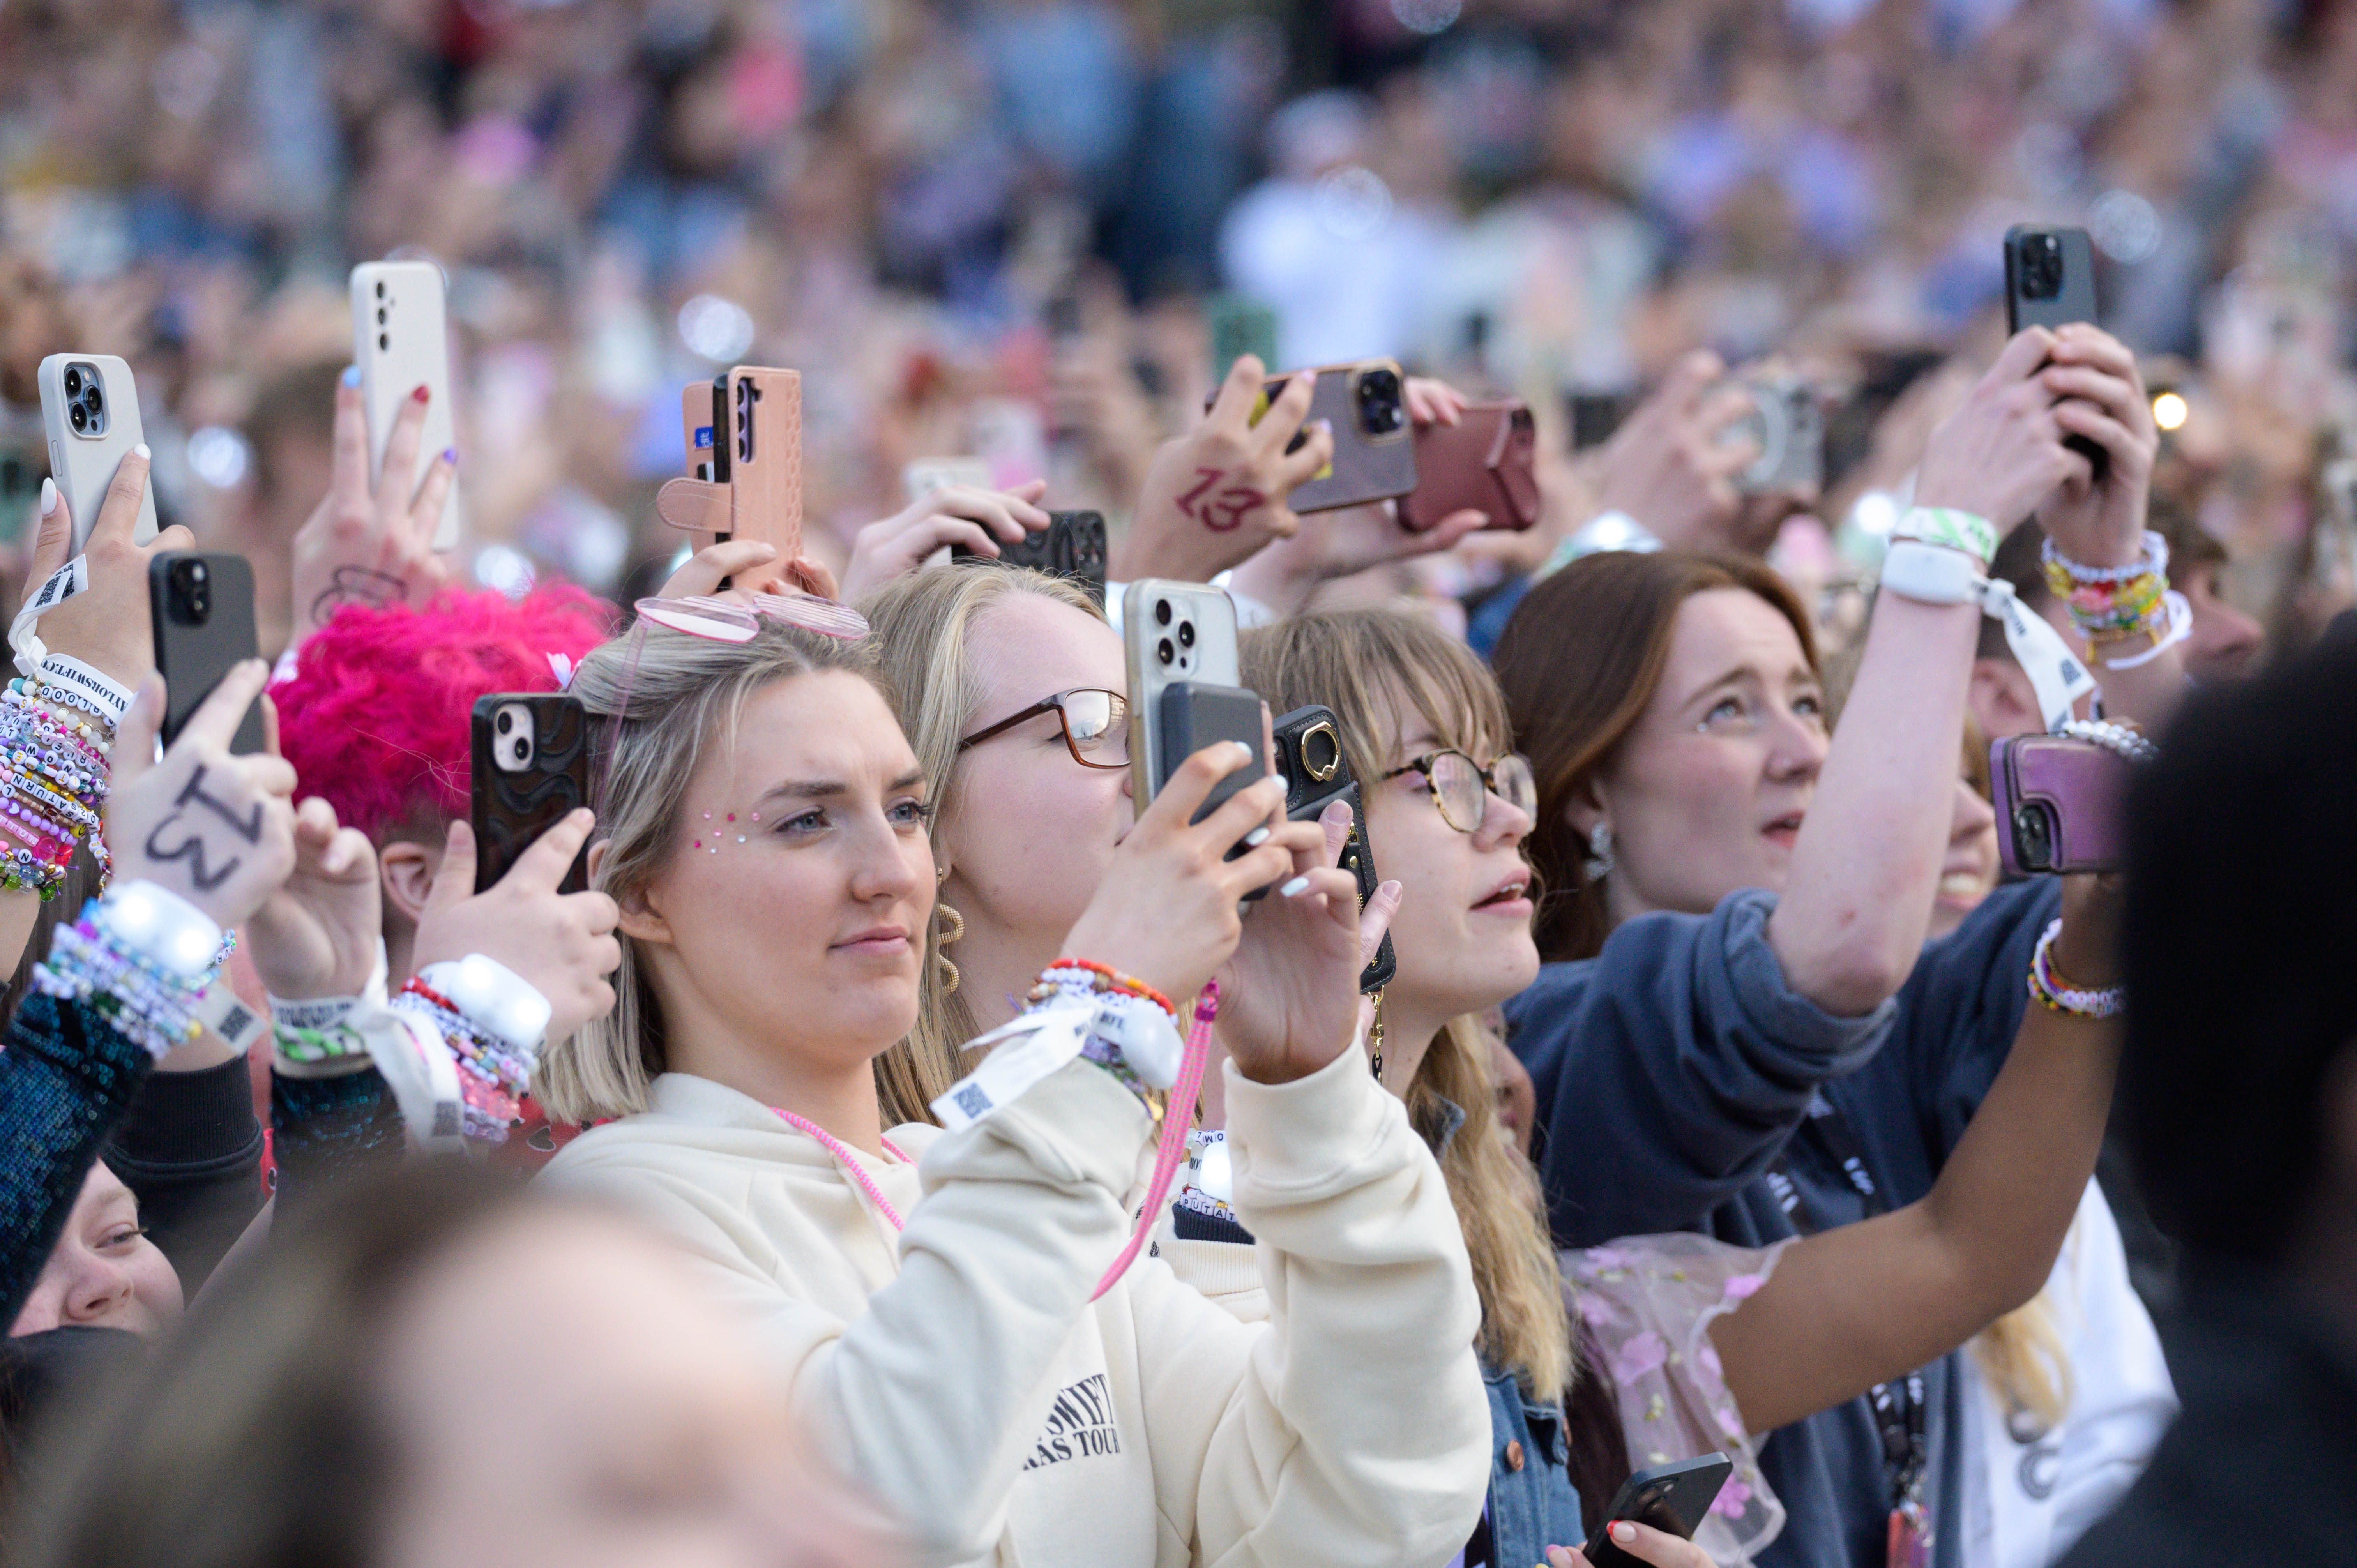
[401, 342]
[1170, 633]
[1318, 773]
[1193, 715]
[89, 416]
[529, 767]
[1673, 1498]
[200, 607]
[1374, 448]
[1239, 325]
[1595, 415]
[2058, 804]
[2049, 281]
[1487, 461]
[1071, 546]
[764, 462]
[1789, 424]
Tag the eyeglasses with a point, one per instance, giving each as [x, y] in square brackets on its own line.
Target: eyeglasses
[1461, 787]
[738, 621]
[1095, 725]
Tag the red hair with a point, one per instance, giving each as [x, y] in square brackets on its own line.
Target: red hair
[376, 719]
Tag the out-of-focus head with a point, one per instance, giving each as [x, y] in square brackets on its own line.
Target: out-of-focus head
[2224, 644]
[762, 825]
[378, 716]
[1023, 830]
[2001, 700]
[103, 1273]
[2241, 1092]
[439, 1369]
[1674, 698]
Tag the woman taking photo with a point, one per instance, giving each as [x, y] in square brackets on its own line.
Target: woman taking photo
[1766, 895]
[765, 828]
[1797, 1326]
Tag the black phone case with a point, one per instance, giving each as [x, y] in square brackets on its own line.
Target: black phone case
[1315, 777]
[192, 654]
[510, 810]
[1672, 1498]
[2074, 302]
[1071, 546]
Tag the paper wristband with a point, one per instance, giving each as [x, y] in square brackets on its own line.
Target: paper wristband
[1030, 1048]
[222, 1011]
[64, 669]
[60, 586]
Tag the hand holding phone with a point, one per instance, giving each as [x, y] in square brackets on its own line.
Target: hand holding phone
[1215, 496]
[372, 542]
[89, 416]
[401, 343]
[527, 770]
[1073, 545]
[1673, 1498]
[200, 610]
[970, 520]
[1317, 772]
[1365, 408]
[2061, 804]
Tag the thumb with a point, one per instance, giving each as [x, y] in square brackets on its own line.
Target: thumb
[1030, 489]
[53, 544]
[134, 738]
[1375, 919]
[454, 881]
[1690, 377]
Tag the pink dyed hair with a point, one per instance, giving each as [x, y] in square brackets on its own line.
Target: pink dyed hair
[376, 718]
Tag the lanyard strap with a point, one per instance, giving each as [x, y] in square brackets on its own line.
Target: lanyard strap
[844, 1157]
[1899, 1404]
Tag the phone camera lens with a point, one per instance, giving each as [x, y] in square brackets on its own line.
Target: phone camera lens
[1164, 652]
[2041, 269]
[197, 572]
[1380, 409]
[73, 381]
[380, 315]
[1162, 612]
[523, 749]
[78, 416]
[1185, 634]
[380, 288]
[504, 722]
[383, 340]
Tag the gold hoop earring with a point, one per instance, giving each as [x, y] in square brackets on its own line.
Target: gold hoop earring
[951, 927]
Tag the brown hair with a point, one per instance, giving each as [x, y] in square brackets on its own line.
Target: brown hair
[1370, 666]
[1579, 662]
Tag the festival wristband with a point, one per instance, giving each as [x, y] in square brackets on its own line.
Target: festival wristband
[222, 1011]
[162, 927]
[1935, 575]
[1028, 1050]
[1951, 529]
[69, 673]
[494, 998]
[60, 586]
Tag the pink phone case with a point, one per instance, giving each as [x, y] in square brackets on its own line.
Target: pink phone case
[2058, 803]
[1486, 462]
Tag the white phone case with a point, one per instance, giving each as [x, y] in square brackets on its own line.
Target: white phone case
[1210, 658]
[83, 461]
[401, 342]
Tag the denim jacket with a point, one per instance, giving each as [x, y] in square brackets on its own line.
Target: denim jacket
[1531, 1504]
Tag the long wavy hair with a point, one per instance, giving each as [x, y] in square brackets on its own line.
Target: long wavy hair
[1579, 660]
[1372, 667]
[920, 625]
[660, 702]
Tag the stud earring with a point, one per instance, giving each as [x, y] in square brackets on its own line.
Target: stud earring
[1600, 852]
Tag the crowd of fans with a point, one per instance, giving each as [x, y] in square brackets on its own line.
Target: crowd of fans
[985, 1160]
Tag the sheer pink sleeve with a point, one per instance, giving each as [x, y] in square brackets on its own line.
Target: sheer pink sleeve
[1650, 1302]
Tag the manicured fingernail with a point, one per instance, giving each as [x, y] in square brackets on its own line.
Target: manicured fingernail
[1256, 838]
[1624, 1534]
[450, 456]
[140, 452]
[48, 497]
[1326, 426]
[352, 375]
[420, 394]
[1295, 888]
[1242, 752]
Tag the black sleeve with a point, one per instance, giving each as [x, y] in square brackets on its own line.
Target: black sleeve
[191, 1150]
[326, 1130]
[66, 1077]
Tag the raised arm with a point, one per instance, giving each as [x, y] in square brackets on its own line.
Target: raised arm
[1856, 1305]
[1855, 910]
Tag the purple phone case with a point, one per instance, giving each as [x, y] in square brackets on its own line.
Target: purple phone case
[2060, 793]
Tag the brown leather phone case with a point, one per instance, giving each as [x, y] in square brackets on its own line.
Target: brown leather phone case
[765, 456]
[1487, 461]
[1375, 450]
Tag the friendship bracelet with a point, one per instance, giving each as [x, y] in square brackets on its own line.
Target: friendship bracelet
[2058, 995]
[1111, 978]
[494, 1067]
[1951, 528]
[22, 694]
[2062, 574]
[2112, 737]
[120, 960]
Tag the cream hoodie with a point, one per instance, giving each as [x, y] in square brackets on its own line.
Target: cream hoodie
[958, 1371]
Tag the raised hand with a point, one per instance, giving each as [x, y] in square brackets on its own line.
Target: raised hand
[216, 829]
[975, 519]
[1642, 1541]
[2100, 395]
[1289, 997]
[106, 626]
[372, 547]
[2001, 454]
[1669, 465]
[1216, 494]
[319, 935]
[1165, 911]
[563, 943]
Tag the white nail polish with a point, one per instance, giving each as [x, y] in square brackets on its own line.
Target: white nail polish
[140, 452]
[1256, 838]
[48, 497]
[1295, 888]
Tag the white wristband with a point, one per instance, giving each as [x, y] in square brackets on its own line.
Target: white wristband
[495, 999]
[1932, 574]
[1935, 575]
[66, 671]
[160, 926]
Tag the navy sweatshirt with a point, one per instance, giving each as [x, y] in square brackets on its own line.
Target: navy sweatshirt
[1671, 1072]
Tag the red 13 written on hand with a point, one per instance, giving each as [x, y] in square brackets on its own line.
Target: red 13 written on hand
[1225, 512]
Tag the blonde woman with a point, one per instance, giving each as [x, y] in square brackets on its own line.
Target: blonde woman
[929, 1293]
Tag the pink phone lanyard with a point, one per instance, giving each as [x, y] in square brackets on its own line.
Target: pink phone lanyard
[1178, 1115]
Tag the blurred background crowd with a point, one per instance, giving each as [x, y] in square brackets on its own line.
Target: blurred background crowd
[1000, 227]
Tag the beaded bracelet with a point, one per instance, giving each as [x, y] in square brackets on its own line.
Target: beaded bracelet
[1108, 979]
[1115, 995]
[335, 1042]
[148, 1002]
[493, 1077]
[61, 696]
[2059, 995]
[2112, 737]
[24, 696]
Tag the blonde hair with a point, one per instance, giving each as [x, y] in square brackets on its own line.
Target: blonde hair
[660, 702]
[2023, 1357]
[1370, 666]
[920, 625]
